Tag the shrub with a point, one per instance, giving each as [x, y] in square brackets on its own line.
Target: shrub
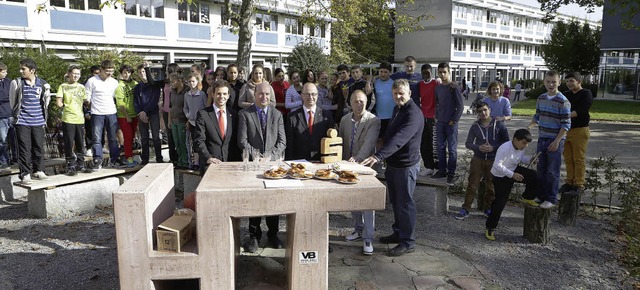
[94, 55]
[534, 93]
[308, 55]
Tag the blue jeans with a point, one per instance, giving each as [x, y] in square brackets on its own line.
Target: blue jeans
[549, 170]
[110, 122]
[447, 138]
[5, 125]
[401, 183]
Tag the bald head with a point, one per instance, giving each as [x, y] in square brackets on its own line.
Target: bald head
[309, 95]
[358, 102]
[262, 95]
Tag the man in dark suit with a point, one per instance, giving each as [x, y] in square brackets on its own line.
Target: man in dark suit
[306, 126]
[216, 125]
[262, 128]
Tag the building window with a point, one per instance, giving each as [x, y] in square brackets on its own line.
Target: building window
[476, 14]
[317, 31]
[504, 48]
[529, 39]
[505, 36]
[292, 26]
[515, 49]
[459, 31]
[266, 21]
[475, 45]
[504, 19]
[528, 49]
[459, 44]
[490, 46]
[529, 23]
[17, 1]
[517, 21]
[537, 51]
[226, 20]
[517, 37]
[492, 16]
[144, 8]
[194, 12]
[492, 34]
[323, 31]
[476, 32]
[74, 4]
[461, 11]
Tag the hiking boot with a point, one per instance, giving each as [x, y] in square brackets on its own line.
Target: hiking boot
[462, 214]
[353, 237]
[39, 175]
[489, 235]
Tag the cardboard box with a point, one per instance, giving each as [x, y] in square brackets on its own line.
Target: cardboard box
[175, 232]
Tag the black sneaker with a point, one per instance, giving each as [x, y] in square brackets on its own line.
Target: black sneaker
[117, 164]
[390, 239]
[565, 188]
[451, 178]
[71, 171]
[439, 174]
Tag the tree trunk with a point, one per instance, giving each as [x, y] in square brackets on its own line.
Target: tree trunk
[245, 32]
[568, 207]
[536, 224]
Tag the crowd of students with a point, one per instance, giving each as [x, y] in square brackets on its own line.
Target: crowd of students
[215, 120]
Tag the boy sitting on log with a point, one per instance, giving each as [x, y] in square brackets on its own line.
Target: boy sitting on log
[506, 170]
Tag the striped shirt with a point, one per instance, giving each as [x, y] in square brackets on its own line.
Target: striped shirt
[552, 115]
[31, 110]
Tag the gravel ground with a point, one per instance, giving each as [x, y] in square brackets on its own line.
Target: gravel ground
[80, 252]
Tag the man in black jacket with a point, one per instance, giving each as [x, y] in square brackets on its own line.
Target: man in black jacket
[401, 151]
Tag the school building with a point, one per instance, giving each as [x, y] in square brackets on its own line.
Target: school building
[481, 39]
[162, 30]
[619, 73]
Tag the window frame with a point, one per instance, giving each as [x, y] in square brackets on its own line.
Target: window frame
[459, 44]
[490, 46]
[153, 10]
[67, 5]
[199, 6]
[262, 26]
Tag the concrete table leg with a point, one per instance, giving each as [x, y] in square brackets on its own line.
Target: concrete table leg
[308, 237]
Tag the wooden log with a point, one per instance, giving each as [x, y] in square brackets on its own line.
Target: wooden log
[568, 207]
[536, 224]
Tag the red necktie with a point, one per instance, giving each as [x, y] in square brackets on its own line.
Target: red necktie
[221, 123]
[310, 123]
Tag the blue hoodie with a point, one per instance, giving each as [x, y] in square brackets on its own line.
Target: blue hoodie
[496, 134]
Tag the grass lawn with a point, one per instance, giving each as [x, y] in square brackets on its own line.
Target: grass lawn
[601, 110]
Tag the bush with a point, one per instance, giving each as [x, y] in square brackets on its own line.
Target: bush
[94, 56]
[308, 55]
[534, 93]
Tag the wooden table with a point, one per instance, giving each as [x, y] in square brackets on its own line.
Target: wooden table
[227, 193]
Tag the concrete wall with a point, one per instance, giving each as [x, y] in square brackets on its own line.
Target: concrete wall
[433, 43]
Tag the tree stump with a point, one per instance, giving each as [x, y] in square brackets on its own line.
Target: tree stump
[536, 224]
[568, 207]
[480, 196]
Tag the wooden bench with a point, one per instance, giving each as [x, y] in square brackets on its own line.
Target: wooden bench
[10, 175]
[62, 195]
[438, 203]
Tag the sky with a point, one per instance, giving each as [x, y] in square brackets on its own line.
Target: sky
[572, 9]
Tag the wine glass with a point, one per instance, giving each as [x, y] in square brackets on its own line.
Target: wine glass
[245, 158]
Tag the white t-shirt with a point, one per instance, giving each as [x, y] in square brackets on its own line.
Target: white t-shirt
[101, 95]
[507, 160]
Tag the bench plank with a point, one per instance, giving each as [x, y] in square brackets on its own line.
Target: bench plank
[62, 179]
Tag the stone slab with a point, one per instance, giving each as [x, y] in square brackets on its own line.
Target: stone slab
[8, 191]
[73, 199]
[429, 282]
[390, 275]
[429, 261]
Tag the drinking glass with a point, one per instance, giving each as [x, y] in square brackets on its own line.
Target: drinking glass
[245, 158]
[256, 156]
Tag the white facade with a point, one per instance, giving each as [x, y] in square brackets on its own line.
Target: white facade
[484, 39]
[161, 30]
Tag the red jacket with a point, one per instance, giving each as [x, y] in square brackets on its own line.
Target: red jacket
[428, 98]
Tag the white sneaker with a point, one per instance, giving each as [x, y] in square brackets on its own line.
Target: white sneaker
[547, 205]
[39, 175]
[353, 237]
[89, 152]
[26, 180]
[367, 248]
